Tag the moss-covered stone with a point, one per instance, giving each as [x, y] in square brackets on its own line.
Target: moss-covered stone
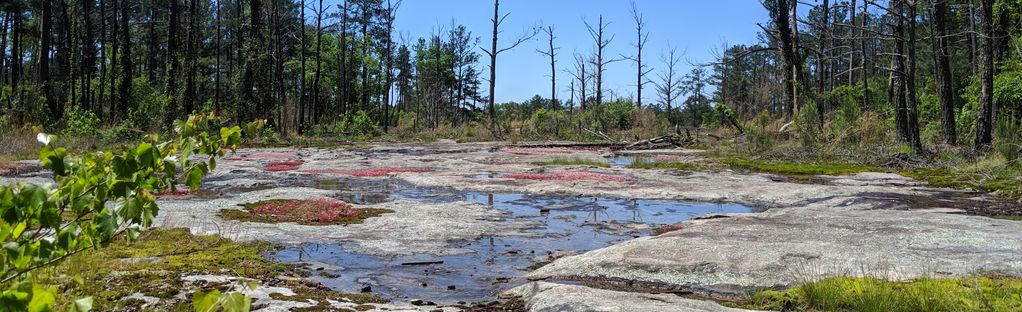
[646, 164]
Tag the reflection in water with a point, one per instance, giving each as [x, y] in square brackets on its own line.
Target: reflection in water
[570, 224]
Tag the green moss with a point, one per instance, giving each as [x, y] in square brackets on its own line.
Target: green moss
[871, 294]
[646, 164]
[572, 162]
[154, 264]
[1002, 179]
[246, 216]
[793, 168]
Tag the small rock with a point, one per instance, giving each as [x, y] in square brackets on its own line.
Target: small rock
[451, 287]
[417, 302]
[367, 289]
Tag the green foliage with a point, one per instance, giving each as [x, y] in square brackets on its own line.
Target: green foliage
[877, 295]
[80, 122]
[1008, 135]
[547, 123]
[97, 197]
[808, 125]
[358, 126]
[151, 107]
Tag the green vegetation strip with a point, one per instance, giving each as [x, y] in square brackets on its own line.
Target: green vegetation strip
[154, 266]
[646, 164]
[1005, 181]
[572, 162]
[792, 168]
[872, 294]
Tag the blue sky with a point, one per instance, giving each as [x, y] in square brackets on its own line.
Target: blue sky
[694, 27]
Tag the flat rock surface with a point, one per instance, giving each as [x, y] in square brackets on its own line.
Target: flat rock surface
[551, 297]
[784, 246]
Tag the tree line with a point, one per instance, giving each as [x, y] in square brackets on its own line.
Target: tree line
[921, 62]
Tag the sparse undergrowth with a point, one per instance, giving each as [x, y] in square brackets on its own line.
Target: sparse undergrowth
[572, 162]
[991, 175]
[797, 168]
[306, 212]
[872, 294]
[154, 266]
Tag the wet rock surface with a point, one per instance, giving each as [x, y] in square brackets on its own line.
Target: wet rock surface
[463, 230]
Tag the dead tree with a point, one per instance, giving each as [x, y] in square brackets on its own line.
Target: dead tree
[494, 51]
[669, 86]
[551, 52]
[598, 61]
[642, 37]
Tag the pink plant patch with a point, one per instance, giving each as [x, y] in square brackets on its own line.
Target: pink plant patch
[271, 155]
[283, 166]
[666, 228]
[371, 172]
[181, 192]
[567, 176]
[314, 210]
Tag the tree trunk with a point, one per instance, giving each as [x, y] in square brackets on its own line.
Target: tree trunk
[315, 80]
[342, 61]
[45, 31]
[126, 65]
[910, 83]
[984, 126]
[173, 28]
[389, 79]
[942, 70]
[493, 64]
[189, 100]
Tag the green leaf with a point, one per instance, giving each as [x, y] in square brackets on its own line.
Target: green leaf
[205, 302]
[194, 178]
[82, 305]
[146, 154]
[42, 298]
[237, 302]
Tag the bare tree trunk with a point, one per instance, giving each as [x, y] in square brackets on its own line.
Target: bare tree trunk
[319, 56]
[984, 126]
[640, 42]
[126, 65]
[942, 70]
[45, 31]
[866, 65]
[493, 64]
[389, 78]
[301, 74]
[189, 99]
[342, 61]
[911, 112]
[551, 52]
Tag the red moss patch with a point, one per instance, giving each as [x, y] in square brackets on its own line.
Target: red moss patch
[181, 192]
[666, 228]
[310, 212]
[567, 176]
[283, 166]
[371, 172]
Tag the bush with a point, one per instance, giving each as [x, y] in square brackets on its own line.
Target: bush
[359, 126]
[80, 122]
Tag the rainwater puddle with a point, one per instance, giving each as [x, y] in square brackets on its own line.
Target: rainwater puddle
[570, 225]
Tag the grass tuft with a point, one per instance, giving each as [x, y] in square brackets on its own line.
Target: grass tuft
[572, 162]
[657, 164]
[872, 294]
